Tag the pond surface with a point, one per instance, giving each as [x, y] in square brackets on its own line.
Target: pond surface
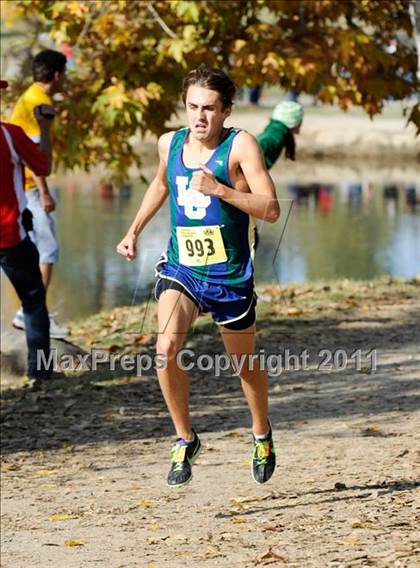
[354, 229]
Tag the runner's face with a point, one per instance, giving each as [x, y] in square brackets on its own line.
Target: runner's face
[205, 114]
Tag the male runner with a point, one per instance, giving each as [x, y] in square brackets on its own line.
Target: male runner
[208, 266]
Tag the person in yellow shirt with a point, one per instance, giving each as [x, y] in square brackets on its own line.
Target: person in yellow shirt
[48, 73]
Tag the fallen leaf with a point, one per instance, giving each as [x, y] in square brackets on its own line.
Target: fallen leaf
[44, 473]
[270, 557]
[237, 520]
[372, 430]
[359, 524]
[144, 340]
[145, 503]
[153, 527]
[240, 500]
[212, 552]
[5, 467]
[294, 312]
[72, 542]
[60, 517]
[237, 504]
[353, 540]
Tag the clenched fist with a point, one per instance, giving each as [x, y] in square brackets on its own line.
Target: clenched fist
[204, 181]
[128, 247]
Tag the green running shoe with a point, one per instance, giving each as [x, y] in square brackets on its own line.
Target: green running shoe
[183, 455]
[263, 458]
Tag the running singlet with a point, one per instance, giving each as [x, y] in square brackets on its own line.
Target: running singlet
[209, 237]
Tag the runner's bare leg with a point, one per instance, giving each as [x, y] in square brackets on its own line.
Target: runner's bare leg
[254, 382]
[176, 314]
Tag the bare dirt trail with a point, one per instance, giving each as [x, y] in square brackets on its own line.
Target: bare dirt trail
[85, 461]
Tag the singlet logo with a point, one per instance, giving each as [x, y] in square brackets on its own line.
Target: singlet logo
[193, 202]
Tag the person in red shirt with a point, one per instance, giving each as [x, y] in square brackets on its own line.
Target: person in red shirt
[19, 257]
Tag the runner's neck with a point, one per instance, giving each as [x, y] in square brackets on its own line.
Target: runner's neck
[196, 153]
[199, 147]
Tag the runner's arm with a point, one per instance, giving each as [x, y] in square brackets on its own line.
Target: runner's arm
[261, 201]
[155, 196]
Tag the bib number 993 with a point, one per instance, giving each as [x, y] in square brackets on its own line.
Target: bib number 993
[199, 246]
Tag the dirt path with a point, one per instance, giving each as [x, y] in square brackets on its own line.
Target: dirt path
[83, 473]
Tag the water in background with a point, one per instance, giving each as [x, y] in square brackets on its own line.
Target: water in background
[327, 230]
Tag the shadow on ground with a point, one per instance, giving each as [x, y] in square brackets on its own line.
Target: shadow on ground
[92, 407]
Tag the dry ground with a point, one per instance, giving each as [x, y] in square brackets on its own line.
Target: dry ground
[85, 460]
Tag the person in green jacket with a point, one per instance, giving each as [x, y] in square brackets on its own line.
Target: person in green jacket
[280, 132]
[279, 135]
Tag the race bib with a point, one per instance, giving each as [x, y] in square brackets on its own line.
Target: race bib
[200, 246]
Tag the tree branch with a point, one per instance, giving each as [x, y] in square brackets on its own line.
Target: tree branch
[159, 20]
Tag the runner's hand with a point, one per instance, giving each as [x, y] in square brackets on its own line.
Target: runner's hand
[204, 181]
[47, 202]
[127, 247]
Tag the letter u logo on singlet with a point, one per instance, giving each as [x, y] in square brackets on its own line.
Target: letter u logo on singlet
[193, 202]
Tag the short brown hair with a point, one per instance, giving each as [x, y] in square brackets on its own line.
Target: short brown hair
[213, 79]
